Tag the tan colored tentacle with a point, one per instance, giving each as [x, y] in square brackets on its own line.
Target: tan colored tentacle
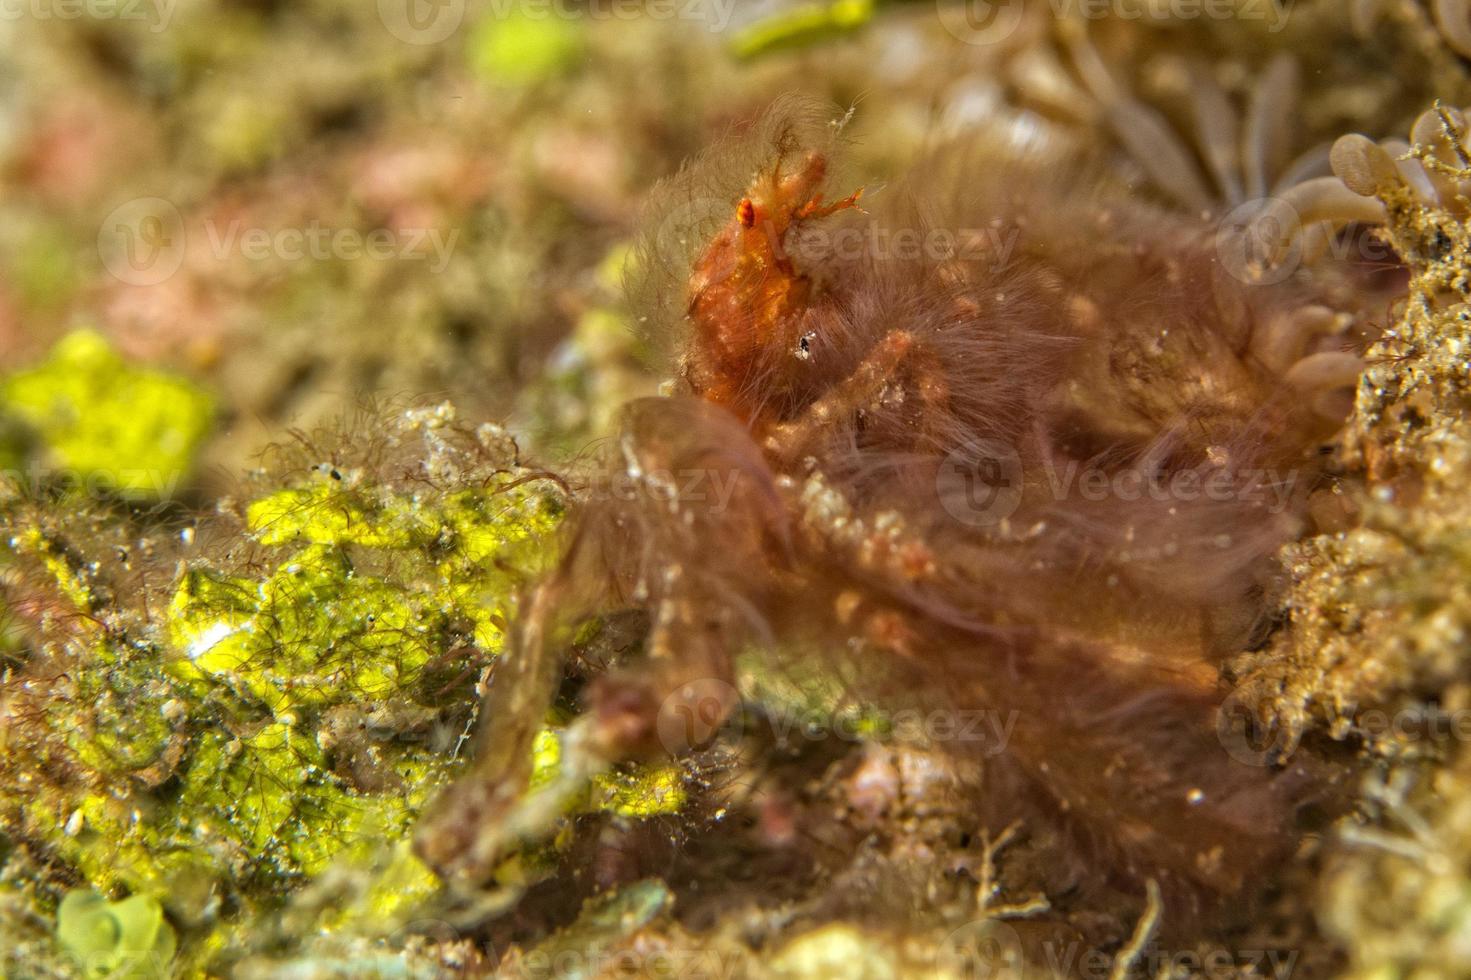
[1269, 124]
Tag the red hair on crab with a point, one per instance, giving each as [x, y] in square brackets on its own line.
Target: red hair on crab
[746, 296]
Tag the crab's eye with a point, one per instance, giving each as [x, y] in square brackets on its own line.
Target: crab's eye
[746, 212]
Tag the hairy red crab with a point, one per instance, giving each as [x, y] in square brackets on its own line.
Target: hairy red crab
[1036, 464]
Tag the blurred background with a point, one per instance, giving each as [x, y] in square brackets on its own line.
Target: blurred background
[302, 204]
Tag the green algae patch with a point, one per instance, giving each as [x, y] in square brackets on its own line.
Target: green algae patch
[106, 423]
[311, 633]
[341, 639]
[523, 49]
[45, 272]
[285, 705]
[799, 25]
[635, 791]
[127, 940]
[639, 792]
[63, 570]
[393, 892]
[324, 514]
[274, 794]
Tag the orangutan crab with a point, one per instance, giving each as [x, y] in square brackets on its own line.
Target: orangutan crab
[912, 442]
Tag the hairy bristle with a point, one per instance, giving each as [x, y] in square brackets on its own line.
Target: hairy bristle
[904, 417]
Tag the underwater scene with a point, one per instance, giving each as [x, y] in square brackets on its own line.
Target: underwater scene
[797, 489]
